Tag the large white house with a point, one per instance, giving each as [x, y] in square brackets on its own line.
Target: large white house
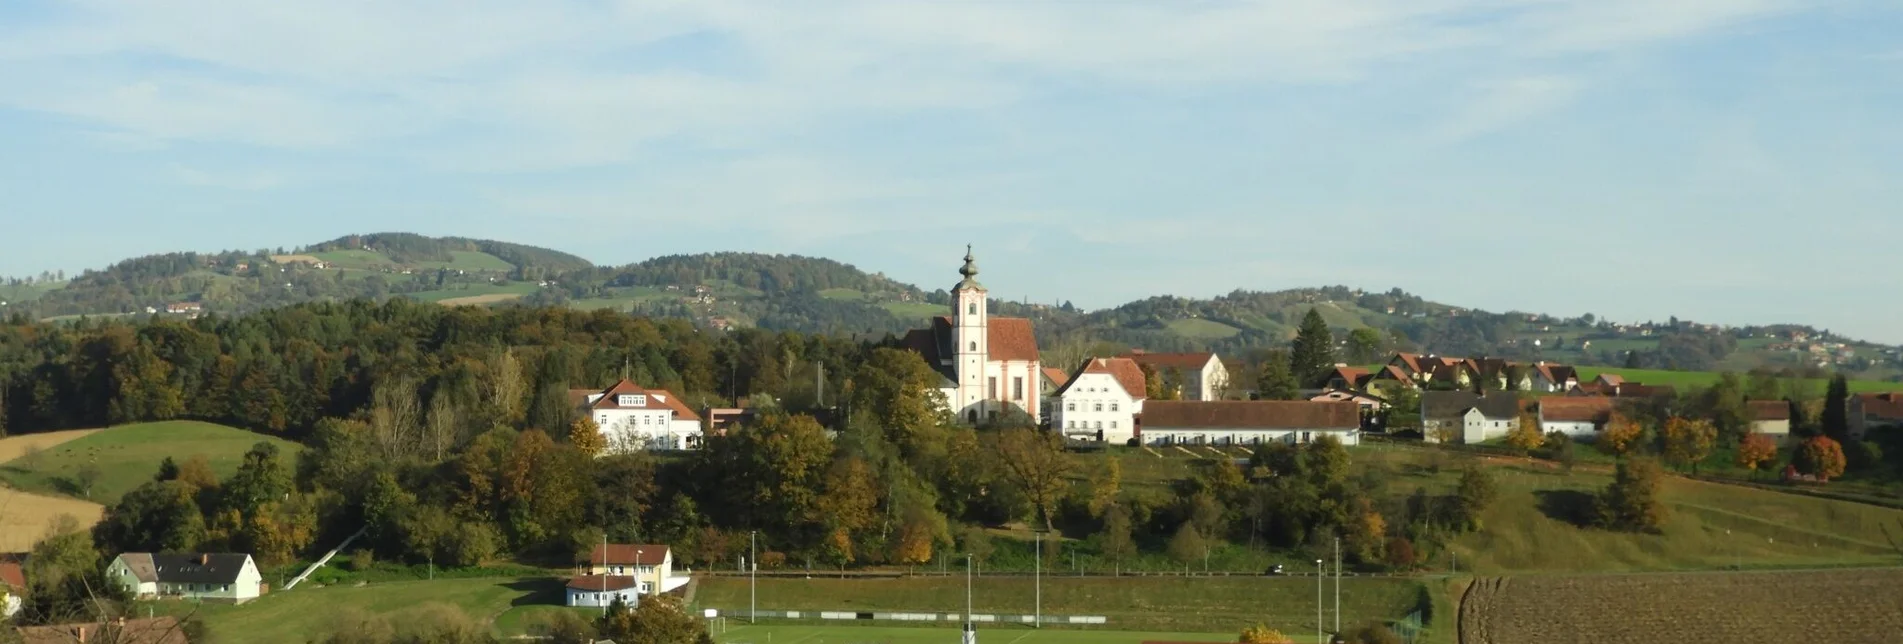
[633, 418]
[1201, 376]
[651, 566]
[1252, 422]
[1100, 402]
[230, 577]
[988, 366]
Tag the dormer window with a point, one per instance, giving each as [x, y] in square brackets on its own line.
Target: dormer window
[632, 400]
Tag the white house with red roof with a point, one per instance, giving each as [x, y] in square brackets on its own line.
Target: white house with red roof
[988, 366]
[1202, 375]
[650, 566]
[634, 418]
[1101, 401]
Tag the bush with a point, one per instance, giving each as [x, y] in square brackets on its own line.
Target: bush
[772, 560]
[1400, 555]
[363, 559]
[472, 544]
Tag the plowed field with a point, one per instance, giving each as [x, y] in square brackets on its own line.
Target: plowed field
[1841, 607]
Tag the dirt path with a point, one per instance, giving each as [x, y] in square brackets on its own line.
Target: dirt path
[17, 446]
[1476, 610]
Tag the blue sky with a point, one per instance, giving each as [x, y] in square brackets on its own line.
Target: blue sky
[1724, 160]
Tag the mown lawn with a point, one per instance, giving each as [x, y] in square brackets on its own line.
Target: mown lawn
[1683, 380]
[128, 455]
[737, 632]
[307, 613]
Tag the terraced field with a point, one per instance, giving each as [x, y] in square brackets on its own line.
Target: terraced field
[1841, 607]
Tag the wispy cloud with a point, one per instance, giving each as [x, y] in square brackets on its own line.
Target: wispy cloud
[1496, 105]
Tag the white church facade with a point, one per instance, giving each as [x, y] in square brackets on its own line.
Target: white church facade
[988, 366]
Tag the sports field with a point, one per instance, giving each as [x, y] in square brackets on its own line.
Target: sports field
[843, 634]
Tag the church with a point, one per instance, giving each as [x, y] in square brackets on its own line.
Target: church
[988, 366]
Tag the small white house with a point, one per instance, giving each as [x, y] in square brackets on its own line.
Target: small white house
[1478, 418]
[1100, 402]
[633, 418]
[596, 591]
[230, 577]
[650, 565]
[1578, 417]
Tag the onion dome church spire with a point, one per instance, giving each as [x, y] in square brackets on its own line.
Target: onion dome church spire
[970, 271]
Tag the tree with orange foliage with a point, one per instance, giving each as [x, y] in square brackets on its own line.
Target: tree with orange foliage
[586, 436]
[1688, 442]
[1821, 456]
[1526, 437]
[1756, 451]
[1261, 634]
[1621, 435]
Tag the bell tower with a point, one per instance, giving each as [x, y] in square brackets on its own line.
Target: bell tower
[969, 335]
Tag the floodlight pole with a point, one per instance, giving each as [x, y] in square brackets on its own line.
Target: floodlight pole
[1337, 584]
[1318, 603]
[968, 629]
[1037, 580]
[753, 578]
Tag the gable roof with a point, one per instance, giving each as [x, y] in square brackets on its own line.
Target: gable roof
[652, 399]
[1884, 405]
[140, 564]
[1057, 376]
[1125, 371]
[1638, 390]
[1556, 373]
[1251, 414]
[599, 583]
[1184, 361]
[1445, 405]
[1409, 361]
[201, 568]
[1768, 409]
[629, 554]
[1572, 409]
[1007, 339]
[1390, 372]
[1611, 379]
[1354, 376]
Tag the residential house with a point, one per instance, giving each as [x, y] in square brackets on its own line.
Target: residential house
[1369, 404]
[988, 366]
[1252, 422]
[633, 418]
[1101, 401]
[1477, 418]
[651, 565]
[1345, 378]
[1202, 375]
[1388, 381]
[228, 577]
[1053, 380]
[1770, 417]
[12, 588]
[598, 591]
[1575, 416]
[1409, 364]
[1872, 411]
[183, 307]
[1553, 378]
[156, 630]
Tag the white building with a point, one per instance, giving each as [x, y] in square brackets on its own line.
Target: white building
[597, 591]
[633, 418]
[1251, 422]
[651, 566]
[1100, 401]
[230, 577]
[1478, 418]
[988, 366]
[1575, 416]
[1202, 376]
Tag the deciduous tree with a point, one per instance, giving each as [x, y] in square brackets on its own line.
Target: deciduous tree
[586, 436]
[1188, 545]
[1688, 441]
[1632, 501]
[1820, 456]
[1621, 435]
[1261, 634]
[1526, 436]
[1034, 461]
[1756, 452]
[1364, 344]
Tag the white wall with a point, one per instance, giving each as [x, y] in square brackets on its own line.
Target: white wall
[1204, 436]
[1077, 411]
[1574, 429]
[598, 599]
[652, 428]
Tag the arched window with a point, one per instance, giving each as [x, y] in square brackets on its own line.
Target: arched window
[974, 346]
[971, 309]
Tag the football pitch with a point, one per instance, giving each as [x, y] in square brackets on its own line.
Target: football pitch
[947, 634]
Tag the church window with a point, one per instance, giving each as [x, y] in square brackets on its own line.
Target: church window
[974, 346]
[972, 308]
[1017, 388]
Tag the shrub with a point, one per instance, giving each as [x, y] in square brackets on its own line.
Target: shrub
[1820, 456]
[1371, 634]
[1260, 634]
[363, 559]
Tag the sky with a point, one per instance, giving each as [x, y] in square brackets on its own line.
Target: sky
[1727, 161]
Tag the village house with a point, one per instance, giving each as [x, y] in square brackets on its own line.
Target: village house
[650, 565]
[1100, 402]
[1553, 378]
[1872, 411]
[597, 591]
[1201, 375]
[633, 418]
[1252, 422]
[1053, 380]
[1770, 417]
[1345, 378]
[228, 577]
[181, 308]
[1477, 418]
[988, 366]
[1575, 416]
[1388, 381]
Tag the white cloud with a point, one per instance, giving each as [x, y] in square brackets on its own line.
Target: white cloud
[1500, 104]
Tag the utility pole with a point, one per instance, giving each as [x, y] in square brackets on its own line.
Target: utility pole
[753, 578]
[1318, 603]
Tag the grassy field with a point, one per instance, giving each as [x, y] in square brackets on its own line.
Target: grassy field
[469, 291]
[1201, 329]
[353, 258]
[766, 633]
[1687, 379]
[24, 516]
[129, 455]
[479, 300]
[27, 292]
[1195, 604]
[469, 260]
[308, 612]
[1809, 606]
[914, 310]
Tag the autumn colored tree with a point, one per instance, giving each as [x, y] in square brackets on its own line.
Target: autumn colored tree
[1472, 496]
[1756, 452]
[1400, 553]
[1821, 456]
[1106, 483]
[1034, 461]
[1688, 442]
[1526, 436]
[658, 619]
[847, 507]
[1621, 435]
[1364, 537]
[1632, 501]
[586, 436]
[1261, 634]
[1188, 545]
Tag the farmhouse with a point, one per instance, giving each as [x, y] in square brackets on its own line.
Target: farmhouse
[650, 566]
[988, 366]
[1100, 402]
[1254, 422]
[596, 591]
[1552, 378]
[1871, 411]
[1578, 417]
[1478, 418]
[1770, 417]
[1345, 378]
[230, 577]
[1201, 376]
[633, 418]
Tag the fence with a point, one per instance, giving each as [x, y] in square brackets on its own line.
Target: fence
[896, 616]
[1410, 627]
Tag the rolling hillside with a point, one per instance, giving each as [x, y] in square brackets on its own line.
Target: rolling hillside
[822, 295]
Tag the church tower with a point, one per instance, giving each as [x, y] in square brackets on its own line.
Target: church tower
[969, 333]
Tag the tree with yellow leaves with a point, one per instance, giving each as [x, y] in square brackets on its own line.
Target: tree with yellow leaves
[1261, 634]
[1621, 435]
[1687, 441]
[1756, 451]
[586, 436]
[1526, 436]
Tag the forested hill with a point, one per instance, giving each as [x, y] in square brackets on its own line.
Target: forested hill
[817, 295]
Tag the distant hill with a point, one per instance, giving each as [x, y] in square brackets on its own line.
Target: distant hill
[810, 294]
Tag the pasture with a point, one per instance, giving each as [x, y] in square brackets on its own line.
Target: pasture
[310, 611]
[128, 455]
[1684, 380]
[1201, 329]
[1847, 606]
[467, 292]
[737, 632]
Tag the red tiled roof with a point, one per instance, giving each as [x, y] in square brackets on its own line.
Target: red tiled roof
[1769, 409]
[1884, 405]
[1057, 376]
[1251, 414]
[1410, 360]
[1351, 375]
[1128, 375]
[1611, 379]
[601, 583]
[1391, 372]
[1638, 390]
[653, 399]
[11, 574]
[625, 554]
[1573, 409]
[1010, 339]
[1185, 361]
